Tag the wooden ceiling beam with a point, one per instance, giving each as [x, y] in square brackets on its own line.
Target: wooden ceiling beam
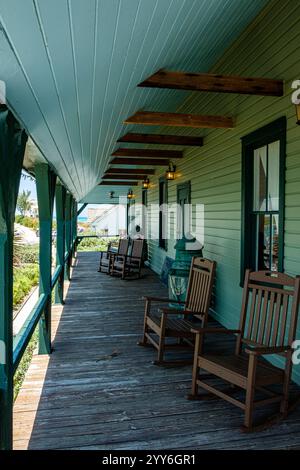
[214, 83]
[132, 171]
[118, 183]
[147, 153]
[148, 118]
[161, 139]
[139, 161]
[108, 176]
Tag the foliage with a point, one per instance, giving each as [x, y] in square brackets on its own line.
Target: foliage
[25, 278]
[28, 254]
[17, 247]
[23, 202]
[29, 222]
[24, 363]
[95, 244]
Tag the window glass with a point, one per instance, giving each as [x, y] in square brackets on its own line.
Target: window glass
[273, 176]
[263, 198]
[275, 243]
[263, 242]
[260, 179]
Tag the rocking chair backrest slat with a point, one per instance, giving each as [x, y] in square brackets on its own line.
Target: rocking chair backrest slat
[269, 310]
[123, 246]
[137, 249]
[200, 285]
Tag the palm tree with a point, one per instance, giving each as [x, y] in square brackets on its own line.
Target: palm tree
[24, 204]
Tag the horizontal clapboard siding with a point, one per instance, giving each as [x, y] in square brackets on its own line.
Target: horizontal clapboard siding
[268, 48]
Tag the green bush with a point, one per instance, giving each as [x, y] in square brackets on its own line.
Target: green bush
[29, 222]
[25, 363]
[95, 244]
[28, 254]
[25, 278]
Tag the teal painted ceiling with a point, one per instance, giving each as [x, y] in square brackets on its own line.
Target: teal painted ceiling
[72, 67]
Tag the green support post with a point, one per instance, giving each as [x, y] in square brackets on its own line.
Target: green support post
[68, 234]
[12, 147]
[60, 199]
[74, 231]
[45, 184]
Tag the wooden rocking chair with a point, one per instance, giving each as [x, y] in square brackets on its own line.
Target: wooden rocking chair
[104, 258]
[167, 322]
[126, 265]
[107, 256]
[267, 327]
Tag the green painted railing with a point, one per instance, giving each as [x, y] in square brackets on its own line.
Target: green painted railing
[22, 339]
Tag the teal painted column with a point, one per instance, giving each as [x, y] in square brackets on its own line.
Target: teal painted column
[45, 185]
[74, 231]
[12, 148]
[68, 233]
[60, 200]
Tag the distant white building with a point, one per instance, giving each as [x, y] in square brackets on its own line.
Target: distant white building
[34, 209]
[94, 212]
[111, 221]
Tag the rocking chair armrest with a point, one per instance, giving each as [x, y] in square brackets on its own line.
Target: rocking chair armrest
[203, 331]
[174, 311]
[116, 256]
[135, 258]
[159, 299]
[262, 351]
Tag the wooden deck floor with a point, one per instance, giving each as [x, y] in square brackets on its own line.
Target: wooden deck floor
[99, 390]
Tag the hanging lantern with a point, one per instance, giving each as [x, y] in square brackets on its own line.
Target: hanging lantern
[146, 183]
[298, 113]
[130, 194]
[170, 173]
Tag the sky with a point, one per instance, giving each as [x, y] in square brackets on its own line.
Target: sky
[26, 184]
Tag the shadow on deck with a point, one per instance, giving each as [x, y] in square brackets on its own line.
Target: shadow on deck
[99, 390]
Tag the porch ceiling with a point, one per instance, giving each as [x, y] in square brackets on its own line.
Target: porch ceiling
[72, 68]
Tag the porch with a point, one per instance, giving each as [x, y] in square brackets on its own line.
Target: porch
[99, 390]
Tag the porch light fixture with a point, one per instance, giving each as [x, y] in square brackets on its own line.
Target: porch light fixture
[130, 194]
[170, 173]
[146, 183]
[298, 113]
[112, 195]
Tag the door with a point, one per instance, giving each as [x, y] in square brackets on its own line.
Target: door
[183, 216]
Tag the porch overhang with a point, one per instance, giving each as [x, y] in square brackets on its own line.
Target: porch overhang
[72, 78]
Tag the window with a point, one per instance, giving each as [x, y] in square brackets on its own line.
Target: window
[263, 198]
[184, 216]
[144, 212]
[163, 214]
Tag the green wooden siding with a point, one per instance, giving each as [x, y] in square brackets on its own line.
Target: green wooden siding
[268, 48]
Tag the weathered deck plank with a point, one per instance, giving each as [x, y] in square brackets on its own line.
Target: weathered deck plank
[99, 390]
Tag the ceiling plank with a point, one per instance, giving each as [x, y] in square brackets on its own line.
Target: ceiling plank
[108, 176]
[148, 118]
[132, 171]
[215, 83]
[147, 153]
[139, 161]
[118, 183]
[161, 139]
